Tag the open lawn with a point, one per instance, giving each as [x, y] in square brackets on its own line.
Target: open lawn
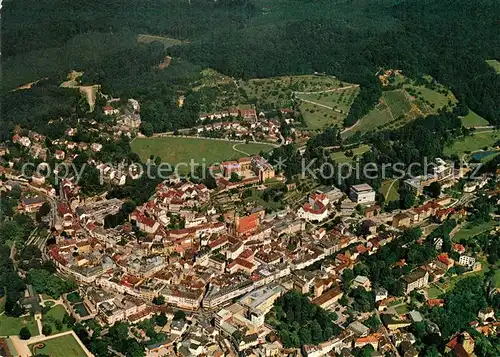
[433, 98]
[340, 99]
[378, 117]
[253, 148]
[11, 325]
[317, 117]
[56, 313]
[472, 119]
[391, 195]
[62, 346]
[469, 231]
[340, 156]
[495, 64]
[175, 150]
[496, 278]
[277, 91]
[472, 143]
[433, 292]
[401, 309]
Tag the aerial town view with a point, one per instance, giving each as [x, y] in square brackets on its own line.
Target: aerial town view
[254, 178]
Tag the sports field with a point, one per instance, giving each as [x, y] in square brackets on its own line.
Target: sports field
[174, 150]
[62, 346]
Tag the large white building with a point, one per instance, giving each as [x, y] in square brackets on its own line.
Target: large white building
[362, 194]
[467, 261]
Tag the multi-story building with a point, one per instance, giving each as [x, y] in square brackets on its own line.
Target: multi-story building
[467, 261]
[262, 168]
[417, 279]
[362, 194]
[417, 184]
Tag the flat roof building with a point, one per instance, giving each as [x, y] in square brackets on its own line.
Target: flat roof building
[362, 194]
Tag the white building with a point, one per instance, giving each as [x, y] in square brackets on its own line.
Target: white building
[362, 194]
[467, 261]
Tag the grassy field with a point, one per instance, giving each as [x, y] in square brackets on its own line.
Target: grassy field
[318, 117]
[393, 194]
[340, 99]
[495, 64]
[472, 143]
[472, 119]
[377, 118]
[340, 157]
[433, 292]
[397, 102]
[450, 282]
[470, 231]
[62, 346]
[277, 91]
[401, 309]
[252, 148]
[321, 109]
[11, 325]
[57, 313]
[408, 102]
[175, 150]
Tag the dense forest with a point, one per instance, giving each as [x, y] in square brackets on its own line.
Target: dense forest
[351, 39]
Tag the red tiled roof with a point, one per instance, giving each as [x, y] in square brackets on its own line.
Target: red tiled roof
[318, 208]
[247, 253]
[443, 258]
[435, 302]
[218, 242]
[241, 262]
[248, 223]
